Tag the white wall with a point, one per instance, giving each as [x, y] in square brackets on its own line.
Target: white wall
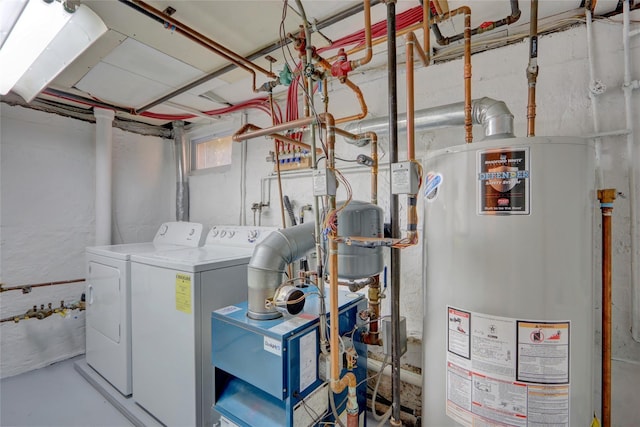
[564, 108]
[48, 218]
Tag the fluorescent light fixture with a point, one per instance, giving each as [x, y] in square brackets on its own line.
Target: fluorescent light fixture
[42, 43]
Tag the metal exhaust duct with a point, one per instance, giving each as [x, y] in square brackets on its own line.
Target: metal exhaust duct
[492, 114]
[181, 151]
[268, 263]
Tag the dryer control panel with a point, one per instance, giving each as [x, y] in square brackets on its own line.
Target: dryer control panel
[238, 235]
[190, 234]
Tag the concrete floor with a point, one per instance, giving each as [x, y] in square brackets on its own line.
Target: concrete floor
[55, 396]
[58, 396]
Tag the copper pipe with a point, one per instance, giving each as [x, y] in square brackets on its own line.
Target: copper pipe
[382, 39]
[363, 104]
[436, 4]
[374, 169]
[468, 124]
[412, 45]
[531, 110]
[426, 32]
[27, 288]
[294, 142]
[532, 69]
[237, 59]
[372, 337]
[367, 35]
[606, 198]
[325, 95]
[247, 127]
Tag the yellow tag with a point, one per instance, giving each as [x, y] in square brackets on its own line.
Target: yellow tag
[183, 293]
[595, 422]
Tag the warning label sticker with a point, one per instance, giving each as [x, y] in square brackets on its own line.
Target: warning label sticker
[508, 372]
[183, 293]
[503, 181]
[459, 336]
[543, 352]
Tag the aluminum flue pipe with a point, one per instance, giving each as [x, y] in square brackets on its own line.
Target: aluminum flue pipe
[492, 114]
[268, 263]
[181, 157]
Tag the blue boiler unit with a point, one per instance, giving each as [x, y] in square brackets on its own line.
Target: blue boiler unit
[268, 372]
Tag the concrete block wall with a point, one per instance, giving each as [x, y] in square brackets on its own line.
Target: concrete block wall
[48, 218]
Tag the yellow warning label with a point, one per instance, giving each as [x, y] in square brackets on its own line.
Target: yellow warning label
[183, 293]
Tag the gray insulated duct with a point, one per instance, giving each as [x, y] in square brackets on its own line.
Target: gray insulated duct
[493, 115]
[181, 151]
[268, 263]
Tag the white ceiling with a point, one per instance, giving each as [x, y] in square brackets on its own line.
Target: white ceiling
[139, 61]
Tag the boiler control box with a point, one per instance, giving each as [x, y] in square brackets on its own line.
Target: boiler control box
[405, 178]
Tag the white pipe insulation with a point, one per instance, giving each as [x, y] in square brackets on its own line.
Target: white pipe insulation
[104, 143]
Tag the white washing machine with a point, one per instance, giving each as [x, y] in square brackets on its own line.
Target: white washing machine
[108, 295]
[174, 293]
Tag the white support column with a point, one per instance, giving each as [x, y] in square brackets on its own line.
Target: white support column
[104, 138]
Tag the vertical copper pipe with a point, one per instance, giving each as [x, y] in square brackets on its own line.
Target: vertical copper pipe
[426, 31]
[531, 111]
[372, 337]
[468, 125]
[606, 198]
[532, 69]
[325, 95]
[412, 45]
[436, 4]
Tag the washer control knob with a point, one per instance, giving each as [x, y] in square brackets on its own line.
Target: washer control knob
[214, 232]
[252, 236]
[231, 233]
[223, 233]
[163, 230]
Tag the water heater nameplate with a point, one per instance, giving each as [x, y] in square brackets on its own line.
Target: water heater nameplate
[503, 181]
[507, 371]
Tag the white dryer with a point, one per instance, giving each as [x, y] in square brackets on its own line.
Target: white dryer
[108, 295]
[174, 294]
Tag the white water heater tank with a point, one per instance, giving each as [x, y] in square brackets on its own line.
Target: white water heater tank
[508, 284]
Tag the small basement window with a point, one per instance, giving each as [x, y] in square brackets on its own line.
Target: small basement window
[211, 151]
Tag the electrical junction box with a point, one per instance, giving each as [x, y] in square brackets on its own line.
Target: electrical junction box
[266, 372]
[387, 335]
[324, 182]
[405, 178]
